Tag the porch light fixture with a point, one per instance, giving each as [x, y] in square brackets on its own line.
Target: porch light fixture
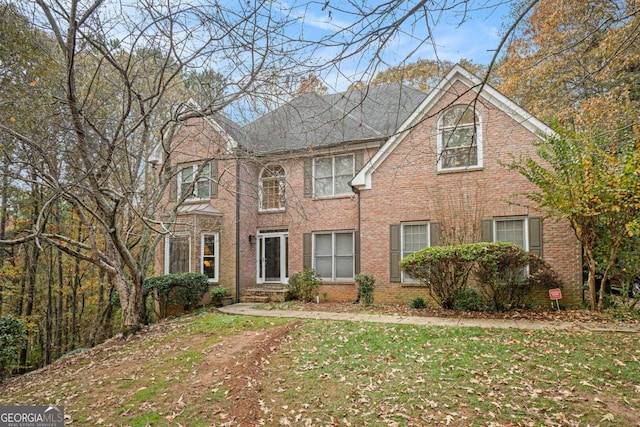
[252, 239]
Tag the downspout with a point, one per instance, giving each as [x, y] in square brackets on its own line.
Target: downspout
[357, 192]
[237, 299]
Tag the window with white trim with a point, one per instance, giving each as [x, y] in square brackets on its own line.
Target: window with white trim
[209, 256]
[332, 175]
[202, 188]
[333, 255]
[415, 236]
[511, 230]
[459, 138]
[272, 188]
[515, 231]
[177, 250]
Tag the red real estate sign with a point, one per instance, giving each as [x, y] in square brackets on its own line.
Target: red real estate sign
[555, 294]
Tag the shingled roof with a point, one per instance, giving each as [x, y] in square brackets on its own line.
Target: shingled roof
[314, 121]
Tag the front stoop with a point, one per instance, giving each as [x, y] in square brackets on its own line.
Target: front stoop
[264, 295]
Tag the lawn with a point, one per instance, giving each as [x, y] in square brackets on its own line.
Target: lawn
[213, 369]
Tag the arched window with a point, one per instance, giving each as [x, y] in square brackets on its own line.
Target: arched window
[272, 188]
[459, 138]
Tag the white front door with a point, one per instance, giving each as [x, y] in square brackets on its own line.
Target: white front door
[272, 257]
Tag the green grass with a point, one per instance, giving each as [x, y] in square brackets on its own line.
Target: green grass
[375, 375]
[351, 373]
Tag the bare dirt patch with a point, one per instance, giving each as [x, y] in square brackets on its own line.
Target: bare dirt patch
[165, 370]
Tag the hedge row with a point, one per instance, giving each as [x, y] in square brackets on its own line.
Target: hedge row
[505, 275]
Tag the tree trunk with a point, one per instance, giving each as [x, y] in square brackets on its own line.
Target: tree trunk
[130, 303]
[3, 222]
[591, 265]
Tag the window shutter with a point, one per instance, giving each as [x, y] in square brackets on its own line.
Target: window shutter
[308, 177]
[358, 160]
[356, 252]
[434, 233]
[213, 179]
[173, 186]
[535, 236]
[306, 250]
[487, 230]
[394, 253]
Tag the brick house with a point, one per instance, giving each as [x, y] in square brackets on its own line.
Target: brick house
[352, 182]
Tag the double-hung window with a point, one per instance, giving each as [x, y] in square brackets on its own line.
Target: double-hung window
[332, 175]
[201, 189]
[415, 236]
[459, 138]
[209, 256]
[177, 254]
[333, 255]
[511, 230]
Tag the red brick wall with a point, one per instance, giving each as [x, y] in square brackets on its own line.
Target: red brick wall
[405, 187]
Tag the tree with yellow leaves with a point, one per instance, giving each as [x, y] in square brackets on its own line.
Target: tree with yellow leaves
[592, 180]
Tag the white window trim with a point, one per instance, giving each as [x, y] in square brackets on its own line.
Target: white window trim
[261, 192]
[513, 218]
[216, 256]
[479, 144]
[333, 175]
[196, 167]
[404, 279]
[167, 253]
[333, 277]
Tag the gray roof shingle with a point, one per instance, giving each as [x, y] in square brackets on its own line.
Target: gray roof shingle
[313, 121]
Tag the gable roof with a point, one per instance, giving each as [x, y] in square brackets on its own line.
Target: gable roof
[362, 180]
[311, 121]
[231, 133]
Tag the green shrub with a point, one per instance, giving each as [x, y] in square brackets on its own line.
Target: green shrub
[366, 285]
[469, 300]
[501, 274]
[218, 293]
[507, 275]
[542, 275]
[444, 270]
[12, 339]
[186, 289]
[417, 302]
[304, 286]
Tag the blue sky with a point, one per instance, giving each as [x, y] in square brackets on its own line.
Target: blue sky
[476, 38]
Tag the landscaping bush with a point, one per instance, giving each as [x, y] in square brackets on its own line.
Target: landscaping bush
[507, 275]
[417, 302]
[500, 270]
[444, 270]
[186, 289]
[542, 275]
[12, 339]
[469, 300]
[304, 286]
[366, 285]
[501, 275]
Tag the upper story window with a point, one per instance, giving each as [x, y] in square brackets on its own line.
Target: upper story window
[332, 175]
[459, 139]
[202, 188]
[272, 188]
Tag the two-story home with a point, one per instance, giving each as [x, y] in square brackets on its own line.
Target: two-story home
[353, 182]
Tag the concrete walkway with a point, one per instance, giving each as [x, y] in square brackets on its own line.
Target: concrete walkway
[249, 310]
